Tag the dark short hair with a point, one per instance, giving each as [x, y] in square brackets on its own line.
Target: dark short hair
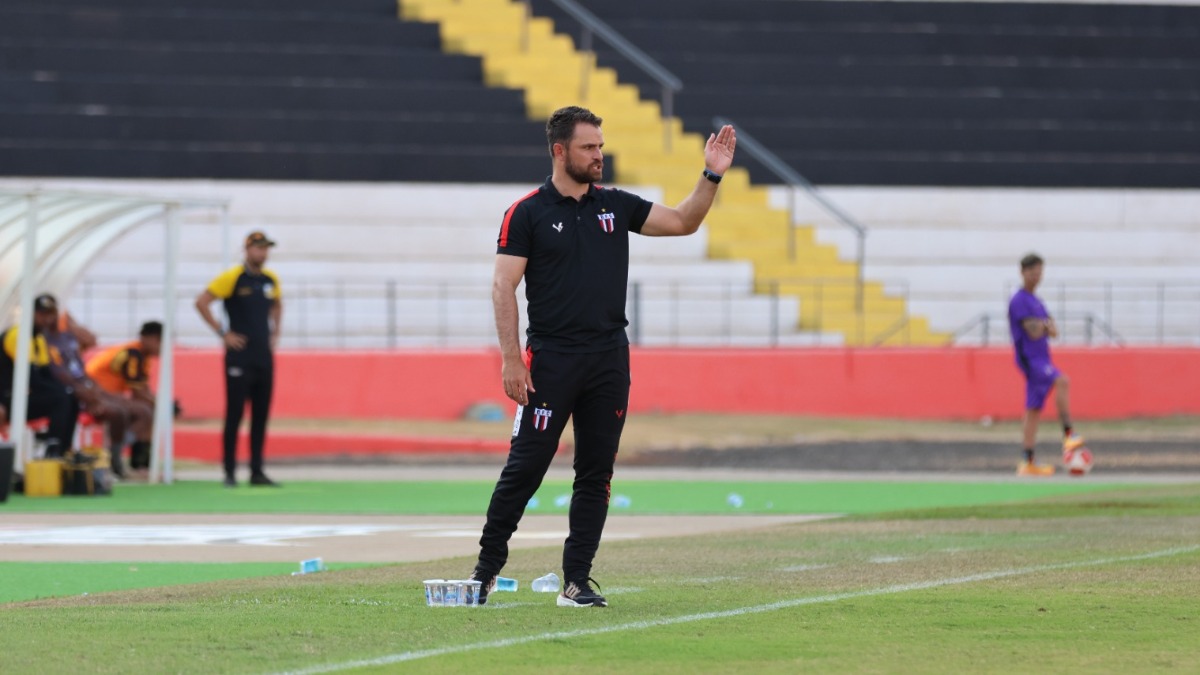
[560, 128]
[1031, 260]
[151, 328]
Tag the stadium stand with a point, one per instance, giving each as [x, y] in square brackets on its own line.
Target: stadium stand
[368, 265]
[850, 93]
[932, 93]
[525, 52]
[309, 90]
[1120, 258]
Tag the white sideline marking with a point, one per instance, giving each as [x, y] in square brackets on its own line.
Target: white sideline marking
[187, 535]
[741, 611]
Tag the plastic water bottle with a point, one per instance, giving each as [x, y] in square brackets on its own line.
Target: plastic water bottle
[506, 584]
[311, 566]
[546, 584]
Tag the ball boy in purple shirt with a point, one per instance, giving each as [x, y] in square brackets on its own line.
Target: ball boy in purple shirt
[1032, 327]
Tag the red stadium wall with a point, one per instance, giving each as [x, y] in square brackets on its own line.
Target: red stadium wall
[959, 383]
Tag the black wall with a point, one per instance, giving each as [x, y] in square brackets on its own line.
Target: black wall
[907, 93]
[252, 89]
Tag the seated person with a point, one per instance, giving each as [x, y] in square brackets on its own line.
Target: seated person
[124, 370]
[118, 413]
[68, 324]
[48, 397]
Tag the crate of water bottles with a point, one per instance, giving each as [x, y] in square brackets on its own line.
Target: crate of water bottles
[465, 593]
[451, 593]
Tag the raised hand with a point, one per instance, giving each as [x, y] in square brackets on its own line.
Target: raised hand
[718, 151]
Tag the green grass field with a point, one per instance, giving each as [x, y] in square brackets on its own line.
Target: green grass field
[923, 577]
[471, 497]
[33, 580]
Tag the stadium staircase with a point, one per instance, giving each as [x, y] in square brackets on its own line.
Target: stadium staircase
[527, 53]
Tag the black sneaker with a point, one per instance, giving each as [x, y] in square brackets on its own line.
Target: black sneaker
[54, 450]
[230, 482]
[261, 479]
[579, 593]
[487, 584]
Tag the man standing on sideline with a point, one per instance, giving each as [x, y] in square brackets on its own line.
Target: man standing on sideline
[1032, 327]
[254, 307]
[569, 240]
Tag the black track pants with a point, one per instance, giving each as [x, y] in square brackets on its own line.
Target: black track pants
[53, 401]
[593, 389]
[253, 381]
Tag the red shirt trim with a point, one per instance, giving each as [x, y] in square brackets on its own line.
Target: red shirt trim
[508, 218]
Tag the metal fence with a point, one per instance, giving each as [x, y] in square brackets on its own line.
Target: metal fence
[389, 314]
[1103, 312]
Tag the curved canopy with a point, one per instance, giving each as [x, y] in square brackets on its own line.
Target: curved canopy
[47, 240]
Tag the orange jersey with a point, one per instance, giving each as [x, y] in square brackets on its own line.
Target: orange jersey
[121, 368]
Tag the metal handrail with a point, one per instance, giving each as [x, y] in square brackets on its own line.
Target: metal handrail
[1090, 322]
[780, 168]
[901, 324]
[983, 319]
[592, 24]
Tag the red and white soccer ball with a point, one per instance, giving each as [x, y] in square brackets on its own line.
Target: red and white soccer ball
[1080, 462]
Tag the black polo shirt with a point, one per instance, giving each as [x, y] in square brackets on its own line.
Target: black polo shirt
[577, 273]
[248, 300]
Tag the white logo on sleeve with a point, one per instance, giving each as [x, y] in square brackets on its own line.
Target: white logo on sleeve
[557, 226]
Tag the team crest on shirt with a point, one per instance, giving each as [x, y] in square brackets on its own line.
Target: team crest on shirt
[541, 418]
[607, 221]
[269, 290]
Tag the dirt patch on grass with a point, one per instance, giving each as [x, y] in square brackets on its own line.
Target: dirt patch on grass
[777, 442]
[646, 432]
[923, 456]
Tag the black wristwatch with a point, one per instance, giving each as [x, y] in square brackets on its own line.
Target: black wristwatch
[714, 177]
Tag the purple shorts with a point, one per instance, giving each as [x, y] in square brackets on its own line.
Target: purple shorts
[1039, 380]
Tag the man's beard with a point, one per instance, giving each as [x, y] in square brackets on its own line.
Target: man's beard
[582, 174]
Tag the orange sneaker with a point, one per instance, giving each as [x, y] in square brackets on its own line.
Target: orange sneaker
[1031, 469]
[1070, 445]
